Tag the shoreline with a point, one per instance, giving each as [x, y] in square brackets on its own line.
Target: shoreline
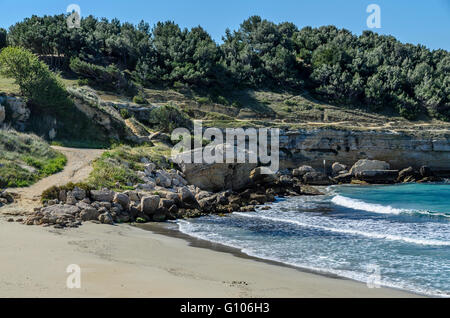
[126, 261]
[172, 230]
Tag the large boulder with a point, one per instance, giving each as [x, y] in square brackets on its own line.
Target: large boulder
[338, 168]
[186, 195]
[89, 214]
[425, 171]
[261, 175]
[132, 195]
[301, 171]
[78, 193]
[104, 195]
[343, 178]
[122, 199]
[60, 210]
[377, 176]
[149, 168]
[366, 165]
[70, 198]
[106, 218]
[216, 176]
[407, 175]
[316, 178]
[163, 179]
[150, 204]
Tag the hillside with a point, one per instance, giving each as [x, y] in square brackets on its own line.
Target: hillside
[264, 108]
[25, 158]
[369, 71]
[250, 108]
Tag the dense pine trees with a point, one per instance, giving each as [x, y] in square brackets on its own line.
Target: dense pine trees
[373, 70]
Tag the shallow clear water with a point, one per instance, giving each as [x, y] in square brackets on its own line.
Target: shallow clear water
[400, 232]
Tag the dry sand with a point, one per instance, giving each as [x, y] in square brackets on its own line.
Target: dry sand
[124, 261]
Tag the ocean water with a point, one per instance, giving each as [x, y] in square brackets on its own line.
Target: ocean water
[395, 236]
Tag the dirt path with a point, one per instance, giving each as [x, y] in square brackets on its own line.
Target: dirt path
[77, 169]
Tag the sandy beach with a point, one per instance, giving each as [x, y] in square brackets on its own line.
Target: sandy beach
[124, 261]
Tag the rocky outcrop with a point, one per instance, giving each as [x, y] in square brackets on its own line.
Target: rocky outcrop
[368, 171]
[107, 114]
[176, 200]
[309, 175]
[399, 149]
[377, 176]
[19, 111]
[368, 165]
[216, 176]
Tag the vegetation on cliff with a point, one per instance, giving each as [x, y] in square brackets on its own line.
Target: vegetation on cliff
[48, 99]
[118, 167]
[25, 158]
[37, 83]
[333, 64]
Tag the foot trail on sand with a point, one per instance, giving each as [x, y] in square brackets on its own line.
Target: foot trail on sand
[77, 169]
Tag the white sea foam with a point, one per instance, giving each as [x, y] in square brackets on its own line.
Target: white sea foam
[190, 229]
[349, 231]
[356, 204]
[364, 206]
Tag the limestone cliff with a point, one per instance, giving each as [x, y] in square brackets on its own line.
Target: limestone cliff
[400, 149]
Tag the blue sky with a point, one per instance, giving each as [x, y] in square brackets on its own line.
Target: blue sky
[424, 22]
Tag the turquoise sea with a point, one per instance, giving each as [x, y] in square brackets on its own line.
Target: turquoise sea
[396, 236]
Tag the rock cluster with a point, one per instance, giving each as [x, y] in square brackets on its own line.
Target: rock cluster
[6, 198]
[217, 176]
[379, 172]
[167, 195]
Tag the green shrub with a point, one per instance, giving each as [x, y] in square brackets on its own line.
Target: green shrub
[178, 85]
[236, 104]
[202, 100]
[167, 118]
[290, 102]
[139, 99]
[125, 113]
[221, 100]
[409, 112]
[217, 116]
[82, 82]
[109, 77]
[265, 101]
[120, 164]
[37, 83]
[140, 220]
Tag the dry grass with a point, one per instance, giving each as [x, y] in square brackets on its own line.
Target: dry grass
[7, 86]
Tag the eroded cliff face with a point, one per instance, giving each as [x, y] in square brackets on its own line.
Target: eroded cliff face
[399, 149]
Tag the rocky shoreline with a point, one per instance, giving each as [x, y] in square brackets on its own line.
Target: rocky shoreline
[168, 195]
